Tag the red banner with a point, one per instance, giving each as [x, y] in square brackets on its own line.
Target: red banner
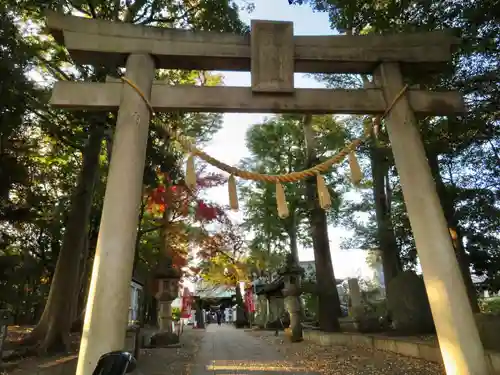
[249, 300]
[187, 301]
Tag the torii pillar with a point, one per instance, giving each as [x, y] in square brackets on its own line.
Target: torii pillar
[456, 328]
[113, 262]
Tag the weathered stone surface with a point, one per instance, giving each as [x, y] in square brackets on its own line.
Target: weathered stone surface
[408, 304]
[272, 63]
[261, 317]
[165, 98]
[489, 327]
[164, 339]
[276, 308]
[101, 42]
[292, 274]
[356, 309]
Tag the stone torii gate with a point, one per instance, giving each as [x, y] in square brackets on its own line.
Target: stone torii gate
[272, 53]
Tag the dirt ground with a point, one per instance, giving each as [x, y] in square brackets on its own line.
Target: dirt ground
[341, 360]
[327, 360]
[172, 361]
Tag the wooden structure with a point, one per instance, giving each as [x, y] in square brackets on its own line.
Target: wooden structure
[272, 53]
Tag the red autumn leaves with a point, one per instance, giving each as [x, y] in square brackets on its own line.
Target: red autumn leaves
[182, 201]
[180, 208]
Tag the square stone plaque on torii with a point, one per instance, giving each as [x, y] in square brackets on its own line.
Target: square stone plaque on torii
[272, 54]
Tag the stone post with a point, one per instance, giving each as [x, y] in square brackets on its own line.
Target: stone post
[109, 296]
[292, 278]
[356, 308]
[272, 316]
[262, 315]
[5, 321]
[458, 336]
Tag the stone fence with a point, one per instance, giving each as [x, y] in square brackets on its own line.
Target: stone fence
[411, 348]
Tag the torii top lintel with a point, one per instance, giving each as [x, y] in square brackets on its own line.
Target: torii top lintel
[100, 42]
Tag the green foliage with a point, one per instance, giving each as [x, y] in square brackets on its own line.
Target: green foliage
[278, 147]
[41, 148]
[490, 305]
[465, 149]
[176, 314]
[311, 305]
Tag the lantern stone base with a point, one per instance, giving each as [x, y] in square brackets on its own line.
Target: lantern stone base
[292, 273]
[293, 306]
[164, 340]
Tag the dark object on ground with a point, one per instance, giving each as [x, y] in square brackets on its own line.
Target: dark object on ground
[408, 304]
[280, 323]
[164, 339]
[372, 323]
[344, 310]
[115, 363]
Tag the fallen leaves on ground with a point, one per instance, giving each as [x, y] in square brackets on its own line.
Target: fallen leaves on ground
[161, 361]
[341, 360]
[16, 333]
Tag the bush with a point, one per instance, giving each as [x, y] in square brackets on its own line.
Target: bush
[490, 306]
[176, 314]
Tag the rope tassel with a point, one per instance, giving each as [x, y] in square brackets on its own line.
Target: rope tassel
[356, 174]
[233, 195]
[281, 201]
[190, 172]
[325, 202]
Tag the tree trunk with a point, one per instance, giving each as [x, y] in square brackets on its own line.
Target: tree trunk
[328, 297]
[391, 262]
[292, 235]
[139, 236]
[52, 331]
[449, 213]
[199, 314]
[83, 285]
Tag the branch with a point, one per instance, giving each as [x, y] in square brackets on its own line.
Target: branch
[57, 134]
[170, 20]
[58, 72]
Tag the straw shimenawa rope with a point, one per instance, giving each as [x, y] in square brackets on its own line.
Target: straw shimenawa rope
[282, 207]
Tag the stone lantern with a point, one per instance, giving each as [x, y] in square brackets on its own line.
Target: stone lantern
[292, 274]
[167, 279]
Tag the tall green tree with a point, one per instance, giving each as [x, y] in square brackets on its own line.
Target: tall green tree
[85, 134]
[463, 154]
[285, 144]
